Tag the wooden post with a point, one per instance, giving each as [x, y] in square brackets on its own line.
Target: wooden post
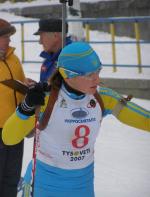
[138, 48]
[112, 31]
[22, 43]
[87, 31]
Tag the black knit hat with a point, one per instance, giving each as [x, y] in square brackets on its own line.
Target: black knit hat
[50, 25]
[6, 28]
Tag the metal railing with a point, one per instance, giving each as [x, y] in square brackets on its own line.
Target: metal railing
[14, 1]
[111, 22]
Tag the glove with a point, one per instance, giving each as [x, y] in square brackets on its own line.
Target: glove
[35, 97]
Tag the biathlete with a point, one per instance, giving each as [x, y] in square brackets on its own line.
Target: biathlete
[70, 121]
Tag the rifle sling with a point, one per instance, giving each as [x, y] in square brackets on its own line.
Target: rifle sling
[51, 102]
[48, 111]
[99, 100]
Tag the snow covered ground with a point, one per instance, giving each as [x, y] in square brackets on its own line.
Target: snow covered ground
[122, 153]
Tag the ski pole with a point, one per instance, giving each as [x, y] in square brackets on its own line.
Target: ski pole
[64, 16]
[35, 147]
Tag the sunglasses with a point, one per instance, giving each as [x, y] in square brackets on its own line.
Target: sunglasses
[66, 73]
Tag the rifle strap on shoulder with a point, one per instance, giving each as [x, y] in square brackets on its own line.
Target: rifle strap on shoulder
[99, 100]
[48, 111]
[51, 102]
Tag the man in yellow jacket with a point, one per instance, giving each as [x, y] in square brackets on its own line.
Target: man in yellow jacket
[10, 68]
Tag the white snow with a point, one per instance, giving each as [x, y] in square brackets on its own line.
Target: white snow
[122, 153]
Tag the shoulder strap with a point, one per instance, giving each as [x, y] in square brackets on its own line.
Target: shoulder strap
[51, 102]
[48, 111]
[99, 100]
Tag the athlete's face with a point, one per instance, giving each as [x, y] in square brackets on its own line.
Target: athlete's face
[51, 41]
[86, 84]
